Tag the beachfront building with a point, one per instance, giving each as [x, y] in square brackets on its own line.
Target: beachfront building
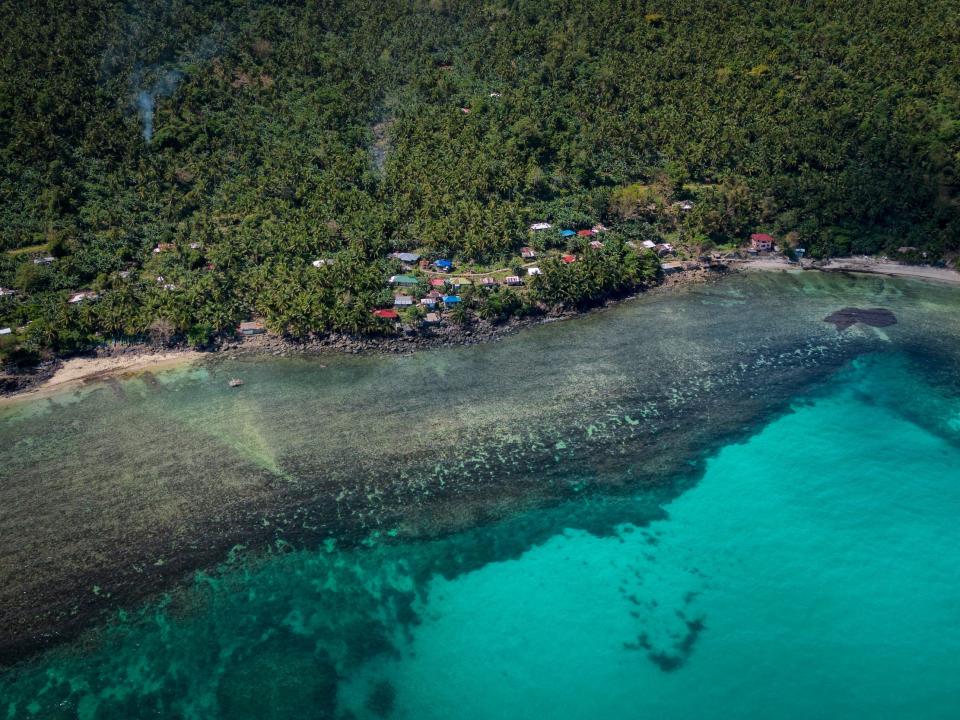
[671, 267]
[386, 314]
[253, 327]
[761, 242]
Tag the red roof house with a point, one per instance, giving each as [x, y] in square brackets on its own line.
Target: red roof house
[437, 282]
[585, 233]
[761, 241]
[568, 258]
[386, 314]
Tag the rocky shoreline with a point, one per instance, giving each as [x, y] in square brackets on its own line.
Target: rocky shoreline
[404, 341]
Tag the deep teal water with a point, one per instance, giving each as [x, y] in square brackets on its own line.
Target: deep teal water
[812, 571]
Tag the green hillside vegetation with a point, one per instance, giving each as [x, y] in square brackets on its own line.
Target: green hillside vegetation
[255, 137]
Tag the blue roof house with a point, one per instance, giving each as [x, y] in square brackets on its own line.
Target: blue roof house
[451, 299]
[443, 263]
[567, 233]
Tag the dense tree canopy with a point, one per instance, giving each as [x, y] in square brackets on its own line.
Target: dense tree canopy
[253, 137]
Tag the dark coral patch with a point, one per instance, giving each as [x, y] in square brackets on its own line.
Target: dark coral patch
[874, 317]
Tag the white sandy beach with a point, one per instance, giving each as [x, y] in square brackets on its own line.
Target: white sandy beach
[858, 264]
[78, 370]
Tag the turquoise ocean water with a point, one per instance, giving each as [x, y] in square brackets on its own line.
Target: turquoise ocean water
[812, 571]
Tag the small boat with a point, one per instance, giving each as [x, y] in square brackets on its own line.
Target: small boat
[236, 382]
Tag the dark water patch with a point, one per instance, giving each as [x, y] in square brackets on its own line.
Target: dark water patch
[382, 699]
[874, 317]
[672, 658]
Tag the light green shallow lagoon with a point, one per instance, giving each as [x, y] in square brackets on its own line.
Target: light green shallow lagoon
[811, 571]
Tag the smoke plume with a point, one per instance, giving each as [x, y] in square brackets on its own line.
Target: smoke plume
[147, 98]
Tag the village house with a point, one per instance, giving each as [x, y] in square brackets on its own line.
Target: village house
[671, 267]
[195, 246]
[431, 318]
[5, 331]
[512, 280]
[437, 282]
[528, 253]
[162, 247]
[451, 299]
[386, 314]
[443, 264]
[599, 228]
[459, 282]
[488, 282]
[567, 259]
[428, 301]
[44, 260]
[585, 233]
[761, 242]
[596, 244]
[321, 262]
[402, 301]
[649, 244]
[534, 271]
[540, 226]
[4, 292]
[567, 233]
[404, 280]
[406, 257]
[251, 327]
[81, 296]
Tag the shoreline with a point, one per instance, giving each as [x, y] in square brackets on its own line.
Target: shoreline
[109, 361]
[864, 265]
[82, 369]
